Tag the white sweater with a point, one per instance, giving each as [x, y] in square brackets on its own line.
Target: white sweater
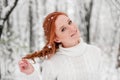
[81, 62]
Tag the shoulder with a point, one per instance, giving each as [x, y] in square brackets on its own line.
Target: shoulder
[48, 70]
[93, 47]
[52, 65]
[54, 61]
[95, 52]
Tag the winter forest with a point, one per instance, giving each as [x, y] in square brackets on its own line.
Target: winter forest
[21, 30]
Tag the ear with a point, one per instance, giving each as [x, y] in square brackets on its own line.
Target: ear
[57, 40]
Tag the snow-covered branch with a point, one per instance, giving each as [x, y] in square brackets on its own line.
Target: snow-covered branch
[5, 14]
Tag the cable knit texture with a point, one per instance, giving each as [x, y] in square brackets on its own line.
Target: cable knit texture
[81, 62]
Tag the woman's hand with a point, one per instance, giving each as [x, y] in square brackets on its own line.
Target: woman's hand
[26, 67]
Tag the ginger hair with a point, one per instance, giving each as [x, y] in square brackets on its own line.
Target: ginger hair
[49, 30]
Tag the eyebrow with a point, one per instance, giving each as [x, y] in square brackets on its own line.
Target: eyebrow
[63, 25]
[68, 20]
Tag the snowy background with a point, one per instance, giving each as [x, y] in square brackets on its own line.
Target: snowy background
[21, 30]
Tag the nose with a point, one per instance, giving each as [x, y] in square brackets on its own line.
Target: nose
[72, 29]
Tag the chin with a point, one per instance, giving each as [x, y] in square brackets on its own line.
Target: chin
[75, 39]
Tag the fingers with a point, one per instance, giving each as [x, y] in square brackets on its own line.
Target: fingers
[23, 64]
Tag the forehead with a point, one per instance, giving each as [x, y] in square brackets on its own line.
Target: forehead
[61, 20]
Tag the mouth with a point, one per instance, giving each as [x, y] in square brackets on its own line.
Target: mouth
[74, 33]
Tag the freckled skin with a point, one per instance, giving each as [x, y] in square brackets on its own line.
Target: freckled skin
[66, 31]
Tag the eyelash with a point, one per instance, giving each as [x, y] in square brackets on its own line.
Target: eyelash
[63, 29]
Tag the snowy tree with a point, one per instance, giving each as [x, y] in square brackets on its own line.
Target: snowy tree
[5, 13]
[22, 32]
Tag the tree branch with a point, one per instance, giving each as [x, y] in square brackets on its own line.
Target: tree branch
[6, 13]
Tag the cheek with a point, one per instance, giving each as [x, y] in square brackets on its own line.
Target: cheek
[63, 36]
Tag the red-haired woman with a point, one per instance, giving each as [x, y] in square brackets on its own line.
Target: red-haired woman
[66, 55]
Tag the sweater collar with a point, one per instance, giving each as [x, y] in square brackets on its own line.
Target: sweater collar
[73, 51]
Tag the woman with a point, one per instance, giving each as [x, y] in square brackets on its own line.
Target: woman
[66, 55]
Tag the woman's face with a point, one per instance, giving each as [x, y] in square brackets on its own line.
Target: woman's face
[66, 32]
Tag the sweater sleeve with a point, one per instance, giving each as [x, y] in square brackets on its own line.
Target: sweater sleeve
[103, 66]
[106, 71]
[47, 71]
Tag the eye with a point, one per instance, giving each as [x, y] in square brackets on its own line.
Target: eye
[63, 29]
[70, 22]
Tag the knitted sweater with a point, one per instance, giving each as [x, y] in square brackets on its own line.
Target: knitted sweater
[81, 62]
